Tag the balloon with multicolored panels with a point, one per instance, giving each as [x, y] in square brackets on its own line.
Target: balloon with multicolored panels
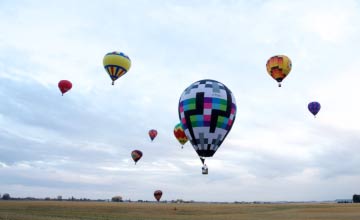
[152, 134]
[158, 194]
[180, 134]
[278, 67]
[207, 111]
[314, 108]
[116, 64]
[136, 155]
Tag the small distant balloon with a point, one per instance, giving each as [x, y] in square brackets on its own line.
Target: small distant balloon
[278, 67]
[158, 194]
[116, 64]
[152, 134]
[180, 134]
[314, 108]
[136, 155]
[64, 86]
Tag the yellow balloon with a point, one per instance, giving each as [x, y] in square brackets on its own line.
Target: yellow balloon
[116, 64]
[278, 67]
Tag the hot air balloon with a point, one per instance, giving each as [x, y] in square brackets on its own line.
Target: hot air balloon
[136, 155]
[207, 111]
[152, 134]
[157, 195]
[278, 67]
[116, 64]
[314, 107]
[64, 86]
[180, 134]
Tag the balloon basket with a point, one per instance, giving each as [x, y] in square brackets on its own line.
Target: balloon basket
[205, 170]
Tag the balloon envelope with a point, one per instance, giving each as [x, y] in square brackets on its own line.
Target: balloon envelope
[136, 155]
[157, 195]
[207, 111]
[64, 86]
[152, 134]
[314, 107]
[278, 67]
[180, 134]
[116, 64]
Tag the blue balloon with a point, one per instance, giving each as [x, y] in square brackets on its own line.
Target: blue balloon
[314, 107]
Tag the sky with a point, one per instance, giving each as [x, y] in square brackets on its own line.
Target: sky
[79, 144]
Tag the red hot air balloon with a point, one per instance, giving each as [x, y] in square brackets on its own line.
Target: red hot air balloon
[64, 86]
[152, 134]
[157, 195]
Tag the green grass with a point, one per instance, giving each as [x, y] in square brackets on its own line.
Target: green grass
[51, 210]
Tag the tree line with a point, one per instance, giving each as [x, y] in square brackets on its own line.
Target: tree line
[6, 196]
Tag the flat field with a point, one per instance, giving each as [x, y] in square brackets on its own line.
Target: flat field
[52, 210]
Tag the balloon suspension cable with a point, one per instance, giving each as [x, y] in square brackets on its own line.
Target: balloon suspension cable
[62, 94]
[112, 83]
[202, 160]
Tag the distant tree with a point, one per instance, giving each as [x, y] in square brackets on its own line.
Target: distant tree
[116, 199]
[47, 198]
[179, 201]
[6, 196]
[356, 198]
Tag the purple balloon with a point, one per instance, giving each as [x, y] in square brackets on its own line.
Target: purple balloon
[314, 107]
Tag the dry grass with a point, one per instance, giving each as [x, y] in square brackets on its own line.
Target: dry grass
[20, 210]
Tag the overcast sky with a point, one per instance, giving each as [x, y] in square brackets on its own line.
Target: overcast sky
[79, 144]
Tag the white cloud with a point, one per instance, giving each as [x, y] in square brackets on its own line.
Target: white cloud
[334, 23]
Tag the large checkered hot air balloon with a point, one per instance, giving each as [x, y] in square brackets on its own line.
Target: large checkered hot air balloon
[278, 67]
[116, 64]
[207, 111]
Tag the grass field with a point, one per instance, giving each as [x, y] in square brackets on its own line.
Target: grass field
[40, 210]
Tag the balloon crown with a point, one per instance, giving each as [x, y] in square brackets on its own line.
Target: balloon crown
[119, 53]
